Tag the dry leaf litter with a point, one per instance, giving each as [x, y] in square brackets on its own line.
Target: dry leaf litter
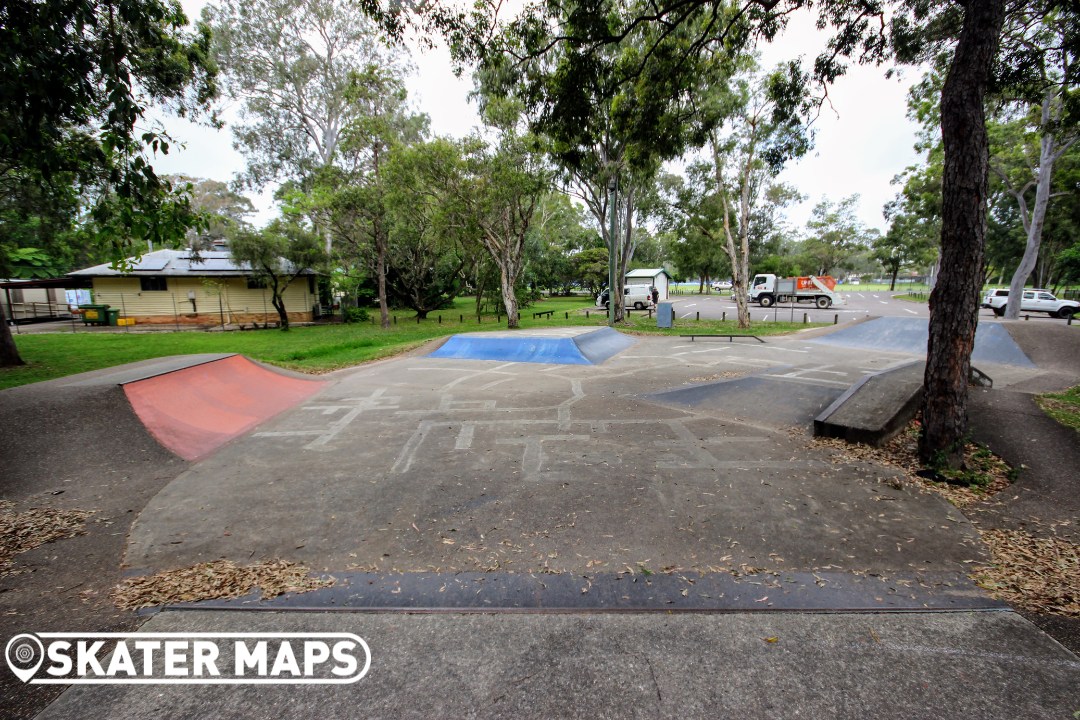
[22, 531]
[217, 580]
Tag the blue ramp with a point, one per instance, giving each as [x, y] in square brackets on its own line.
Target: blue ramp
[993, 344]
[589, 348]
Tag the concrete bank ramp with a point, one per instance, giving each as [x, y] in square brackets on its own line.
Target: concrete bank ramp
[558, 346]
[194, 410]
[993, 344]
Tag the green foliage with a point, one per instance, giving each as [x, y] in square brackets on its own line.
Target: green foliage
[221, 210]
[779, 265]
[356, 315]
[429, 252]
[29, 262]
[835, 235]
[1063, 407]
[293, 64]
[279, 254]
[76, 80]
[591, 268]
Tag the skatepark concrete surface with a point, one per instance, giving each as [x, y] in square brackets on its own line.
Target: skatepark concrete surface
[979, 665]
[671, 458]
[993, 344]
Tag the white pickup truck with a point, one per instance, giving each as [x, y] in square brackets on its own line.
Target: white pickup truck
[1032, 301]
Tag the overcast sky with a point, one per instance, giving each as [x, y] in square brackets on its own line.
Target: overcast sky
[862, 141]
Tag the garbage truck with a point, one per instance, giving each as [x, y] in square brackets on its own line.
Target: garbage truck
[820, 290]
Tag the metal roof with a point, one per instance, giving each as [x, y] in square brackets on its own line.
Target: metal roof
[648, 272]
[177, 263]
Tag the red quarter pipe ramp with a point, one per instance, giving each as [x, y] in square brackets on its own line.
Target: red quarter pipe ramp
[196, 410]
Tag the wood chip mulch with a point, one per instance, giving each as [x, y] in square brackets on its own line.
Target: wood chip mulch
[1040, 574]
[22, 531]
[217, 580]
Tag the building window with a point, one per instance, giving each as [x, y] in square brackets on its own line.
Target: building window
[148, 284]
[255, 283]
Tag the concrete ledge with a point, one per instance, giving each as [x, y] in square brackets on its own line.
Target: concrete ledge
[875, 409]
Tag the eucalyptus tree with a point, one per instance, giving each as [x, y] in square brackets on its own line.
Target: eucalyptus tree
[609, 117]
[292, 65]
[834, 234]
[1041, 38]
[382, 123]
[430, 253]
[502, 187]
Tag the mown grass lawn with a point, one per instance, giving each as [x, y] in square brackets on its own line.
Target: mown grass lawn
[318, 349]
[1063, 407]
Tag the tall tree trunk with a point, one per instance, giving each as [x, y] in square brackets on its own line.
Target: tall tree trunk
[381, 241]
[624, 251]
[507, 278]
[380, 272]
[954, 300]
[9, 352]
[1048, 152]
[740, 265]
[892, 282]
[279, 304]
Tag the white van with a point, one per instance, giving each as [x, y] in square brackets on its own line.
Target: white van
[638, 297]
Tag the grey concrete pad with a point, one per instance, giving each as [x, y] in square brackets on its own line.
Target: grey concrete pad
[424, 465]
[133, 372]
[983, 665]
[743, 397]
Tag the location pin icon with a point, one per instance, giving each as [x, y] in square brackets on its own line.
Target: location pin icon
[24, 654]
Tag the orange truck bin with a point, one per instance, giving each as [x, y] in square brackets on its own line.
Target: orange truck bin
[806, 283]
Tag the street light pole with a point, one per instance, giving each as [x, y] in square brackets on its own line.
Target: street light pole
[612, 193]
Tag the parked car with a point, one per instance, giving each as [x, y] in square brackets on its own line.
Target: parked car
[1037, 300]
[636, 296]
[721, 285]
